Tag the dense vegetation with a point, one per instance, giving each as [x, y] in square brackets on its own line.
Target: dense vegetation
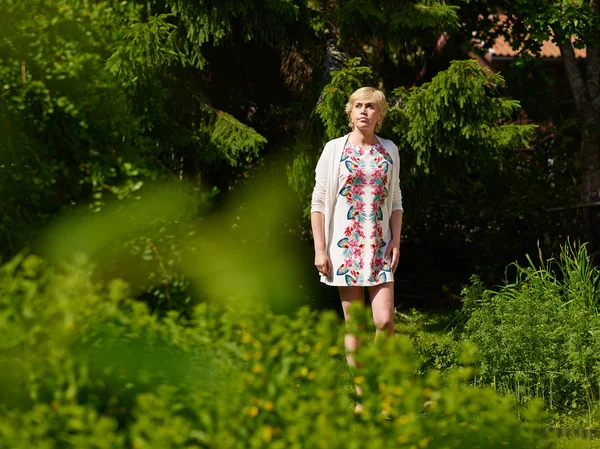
[84, 366]
[546, 323]
[156, 163]
[99, 100]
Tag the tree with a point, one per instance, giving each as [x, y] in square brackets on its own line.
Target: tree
[104, 98]
[569, 24]
[97, 99]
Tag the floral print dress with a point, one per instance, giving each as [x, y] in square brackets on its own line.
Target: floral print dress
[361, 228]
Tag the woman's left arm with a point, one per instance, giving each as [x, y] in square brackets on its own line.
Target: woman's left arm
[393, 249]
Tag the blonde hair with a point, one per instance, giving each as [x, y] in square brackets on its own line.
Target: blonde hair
[368, 93]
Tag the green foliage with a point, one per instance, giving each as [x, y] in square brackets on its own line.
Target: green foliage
[537, 336]
[335, 95]
[259, 20]
[528, 24]
[91, 109]
[397, 23]
[429, 14]
[100, 100]
[59, 426]
[576, 443]
[147, 48]
[87, 367]
[234, 140]
[459, 114]
[432, 338]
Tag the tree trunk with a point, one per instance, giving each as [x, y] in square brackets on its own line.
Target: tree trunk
[586, 92]
[590, 183]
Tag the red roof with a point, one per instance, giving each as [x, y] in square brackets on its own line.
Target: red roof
[549, 49]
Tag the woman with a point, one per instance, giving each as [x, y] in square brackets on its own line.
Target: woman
[356, 213]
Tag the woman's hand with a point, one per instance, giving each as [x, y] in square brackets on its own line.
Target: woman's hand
[323, 263]
[393, 253]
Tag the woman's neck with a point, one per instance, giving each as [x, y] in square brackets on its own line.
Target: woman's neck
[362, 138]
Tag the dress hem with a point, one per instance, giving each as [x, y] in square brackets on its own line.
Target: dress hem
[330, 284]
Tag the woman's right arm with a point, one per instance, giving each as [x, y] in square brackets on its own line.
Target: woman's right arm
[317, 216]
[322, 262]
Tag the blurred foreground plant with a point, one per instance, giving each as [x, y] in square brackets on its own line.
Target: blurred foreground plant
[84, 366]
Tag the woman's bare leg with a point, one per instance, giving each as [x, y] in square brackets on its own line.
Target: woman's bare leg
[382, 303]
[349, 295]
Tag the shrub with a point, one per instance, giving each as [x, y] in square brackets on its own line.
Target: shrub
[87, 367]
[538, 336]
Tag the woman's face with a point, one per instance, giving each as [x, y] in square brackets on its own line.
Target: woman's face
[364, 115]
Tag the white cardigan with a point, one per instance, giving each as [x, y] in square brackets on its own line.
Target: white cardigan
[327, 188]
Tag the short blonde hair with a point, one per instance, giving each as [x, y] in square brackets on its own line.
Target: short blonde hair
[364, 94]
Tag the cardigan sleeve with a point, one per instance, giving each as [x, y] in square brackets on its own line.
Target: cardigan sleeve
[397, 201]
[320, 190]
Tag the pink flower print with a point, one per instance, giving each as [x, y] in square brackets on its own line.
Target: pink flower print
[366, 168]
[358, 176]
[356, 189]
[379, 191]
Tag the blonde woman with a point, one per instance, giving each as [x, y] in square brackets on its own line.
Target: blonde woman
[356, 213]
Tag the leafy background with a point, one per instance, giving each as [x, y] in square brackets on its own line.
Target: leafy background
[156, 165]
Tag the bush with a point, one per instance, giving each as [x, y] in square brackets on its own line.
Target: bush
[538, 336]
[85, 366]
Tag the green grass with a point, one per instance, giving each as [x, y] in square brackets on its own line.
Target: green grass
[576, 443]
[432, 336]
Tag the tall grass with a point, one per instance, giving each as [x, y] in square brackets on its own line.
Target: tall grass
[539, 335]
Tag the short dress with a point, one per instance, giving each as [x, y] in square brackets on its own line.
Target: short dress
[361, 227]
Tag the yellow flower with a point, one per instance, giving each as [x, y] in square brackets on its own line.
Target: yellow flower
[258, 368]
[402, 439]
[267, 433]
[246, 338]
[359, 380]
[402, 419]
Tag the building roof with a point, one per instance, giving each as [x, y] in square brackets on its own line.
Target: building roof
[549, 49]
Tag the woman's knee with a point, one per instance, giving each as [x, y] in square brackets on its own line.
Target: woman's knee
[384, 321]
